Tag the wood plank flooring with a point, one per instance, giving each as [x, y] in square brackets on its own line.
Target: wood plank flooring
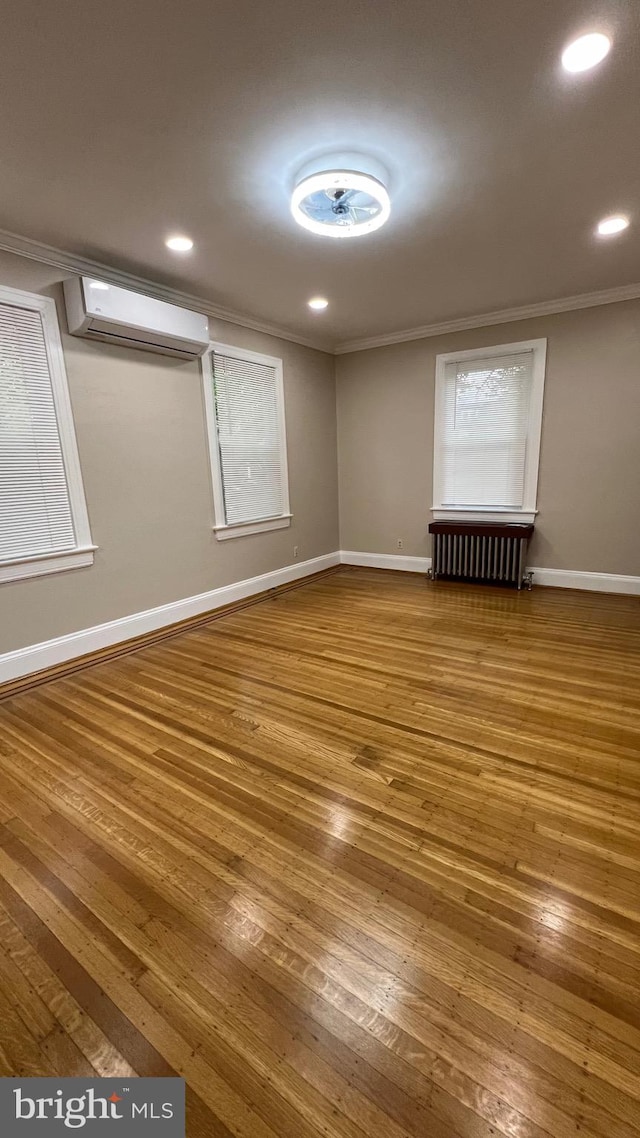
[360, 860]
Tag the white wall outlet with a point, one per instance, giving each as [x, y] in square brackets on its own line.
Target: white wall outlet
[295, 551]
[399, 543]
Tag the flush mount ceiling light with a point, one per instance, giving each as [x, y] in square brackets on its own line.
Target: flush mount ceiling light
[179, 244]
[612, 225]
[318, 303]
[340, 201]
[586, 52]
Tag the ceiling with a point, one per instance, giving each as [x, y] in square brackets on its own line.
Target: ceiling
[125, 120]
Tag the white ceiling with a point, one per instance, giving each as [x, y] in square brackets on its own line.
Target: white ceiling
[125, 120]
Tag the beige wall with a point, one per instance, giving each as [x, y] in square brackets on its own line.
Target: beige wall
[589, 479]
[141, 436]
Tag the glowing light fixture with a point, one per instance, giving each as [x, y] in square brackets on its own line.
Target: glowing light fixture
[179, 244]
[340, 201]
[586, 52]
[99, 285]
[318, 303]
[611, 225]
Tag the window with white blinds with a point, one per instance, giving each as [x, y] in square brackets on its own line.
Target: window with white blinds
[245, 405]
[487, 430]
[43, 521]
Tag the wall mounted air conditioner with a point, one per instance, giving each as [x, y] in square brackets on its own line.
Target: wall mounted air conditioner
[116, 315]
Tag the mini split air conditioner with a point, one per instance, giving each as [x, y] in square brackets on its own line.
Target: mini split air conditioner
[116, 315]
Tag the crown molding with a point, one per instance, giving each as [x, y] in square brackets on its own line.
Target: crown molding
[502, 316]
[84, 266]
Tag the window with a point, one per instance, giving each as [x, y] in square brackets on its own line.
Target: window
[488, 418]
[44, 526]
[244, 402]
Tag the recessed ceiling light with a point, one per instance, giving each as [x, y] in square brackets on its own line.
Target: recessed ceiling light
[318, 303]
[610, 225]
[340, 203]
[586, 52]
[179, 244]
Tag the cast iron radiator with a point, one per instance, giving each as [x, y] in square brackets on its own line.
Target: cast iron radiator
[481, 552]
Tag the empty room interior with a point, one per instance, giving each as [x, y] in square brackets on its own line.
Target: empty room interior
[320, 569]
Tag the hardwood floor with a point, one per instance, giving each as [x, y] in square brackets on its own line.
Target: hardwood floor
[361, 860]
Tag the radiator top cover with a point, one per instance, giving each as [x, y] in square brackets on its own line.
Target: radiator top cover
[520, 530]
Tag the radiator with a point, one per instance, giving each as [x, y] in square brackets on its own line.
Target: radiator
[492, 553]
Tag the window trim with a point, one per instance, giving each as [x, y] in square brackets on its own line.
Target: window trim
[527, 512]
[222, 530]
[81, 554]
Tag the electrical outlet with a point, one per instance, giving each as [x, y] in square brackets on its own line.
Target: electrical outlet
[295, 551]
[399, 543]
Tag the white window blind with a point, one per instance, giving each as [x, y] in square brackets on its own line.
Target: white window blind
[43, 520]
[250, 438]
[35, 510]
[483, 428]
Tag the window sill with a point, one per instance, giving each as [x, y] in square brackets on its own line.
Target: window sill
[244, 529]
[21, 568]
[459, 514]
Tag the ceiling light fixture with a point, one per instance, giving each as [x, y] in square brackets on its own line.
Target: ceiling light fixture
[179, 244]
[611, 225]
[340, 200]
[318, 303]
[99, 285]
[586, 52]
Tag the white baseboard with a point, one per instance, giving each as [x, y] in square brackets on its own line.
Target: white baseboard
[385, 561]
[24, 661]
[34, 658]
[591, 582]
[556, 578]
